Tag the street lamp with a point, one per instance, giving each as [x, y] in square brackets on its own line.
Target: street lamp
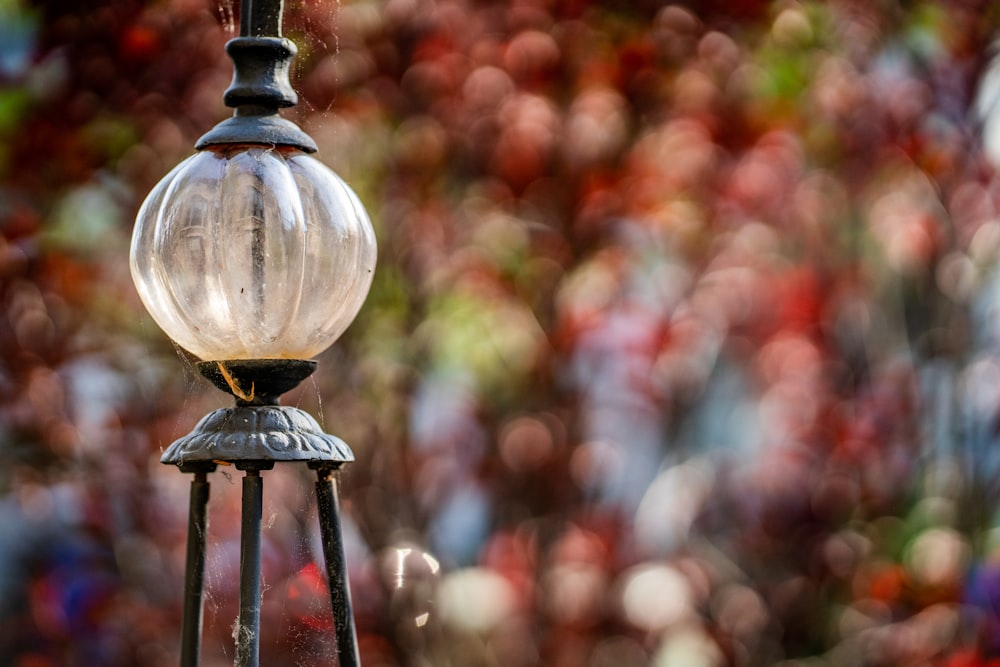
[255, 257]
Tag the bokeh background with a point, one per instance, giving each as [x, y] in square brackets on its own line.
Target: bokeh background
[683, 347]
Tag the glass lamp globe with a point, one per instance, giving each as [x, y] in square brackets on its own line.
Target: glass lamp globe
[252, 252]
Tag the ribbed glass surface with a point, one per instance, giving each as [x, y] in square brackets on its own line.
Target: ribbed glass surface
[252, 253]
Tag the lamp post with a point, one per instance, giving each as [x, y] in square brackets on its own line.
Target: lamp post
[255, 257]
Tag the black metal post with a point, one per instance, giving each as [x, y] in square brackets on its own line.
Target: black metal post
[258, 431]
[194, 571]
[248, 624]
[261, 18]
[336, 567]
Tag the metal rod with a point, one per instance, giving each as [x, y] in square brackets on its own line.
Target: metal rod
[261, 18]
[194, 571]
[336, 568]
[248, 624]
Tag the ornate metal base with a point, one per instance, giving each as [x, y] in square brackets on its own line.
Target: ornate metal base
[253, 436]
[257, 433]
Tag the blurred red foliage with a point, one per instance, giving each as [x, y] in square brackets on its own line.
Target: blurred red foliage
[681, 348]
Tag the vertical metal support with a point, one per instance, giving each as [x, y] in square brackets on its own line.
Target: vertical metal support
[248, 623]
[260, 18]
[336, 567]
[194, 569]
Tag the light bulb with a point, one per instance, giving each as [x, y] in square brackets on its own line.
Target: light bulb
[252, 252]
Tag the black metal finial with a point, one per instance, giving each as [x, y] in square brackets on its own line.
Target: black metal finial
[262, 61]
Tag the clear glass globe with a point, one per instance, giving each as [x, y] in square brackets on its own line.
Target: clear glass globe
[251, 252]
